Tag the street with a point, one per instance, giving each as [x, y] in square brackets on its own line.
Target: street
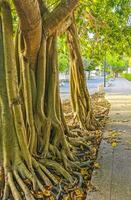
[92, 85]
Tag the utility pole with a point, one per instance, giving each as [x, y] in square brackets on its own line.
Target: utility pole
[105, 71]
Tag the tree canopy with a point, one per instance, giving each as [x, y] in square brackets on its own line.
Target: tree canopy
[104, 27]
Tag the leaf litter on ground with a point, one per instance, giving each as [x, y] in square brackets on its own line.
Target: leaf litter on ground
[101, 110]
[88, 149]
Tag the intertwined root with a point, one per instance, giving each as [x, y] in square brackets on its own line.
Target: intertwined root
[23, 183]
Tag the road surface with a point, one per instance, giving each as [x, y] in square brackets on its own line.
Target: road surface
[92, 85]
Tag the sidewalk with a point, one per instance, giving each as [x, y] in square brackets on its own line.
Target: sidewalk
[113, 179]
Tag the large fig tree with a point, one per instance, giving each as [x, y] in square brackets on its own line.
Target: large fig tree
[34, 136]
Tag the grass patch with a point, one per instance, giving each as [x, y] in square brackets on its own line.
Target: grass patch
[127, 76]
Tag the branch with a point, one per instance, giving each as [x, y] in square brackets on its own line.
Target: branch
[30, 25]
[64, 27]
[56, 18]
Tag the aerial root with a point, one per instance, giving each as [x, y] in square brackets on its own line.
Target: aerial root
[58, 169]
[23, 186]
[77, 143]
[49, 174]
[65, 160]
[79, 178]
[54, 150]
[13, 187]
[6, 190]
[41, 173]
[30, 175]
[24, 182]
[21, 182]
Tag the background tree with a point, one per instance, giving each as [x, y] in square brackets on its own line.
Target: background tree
[117, 64]
[104, 28]
[80, 98]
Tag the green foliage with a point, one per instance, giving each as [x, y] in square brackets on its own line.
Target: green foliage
[63, 62]
[109, 76]
[63, 57]
[104, 28]
[89, 65]
[127, 76]
[51, 4]
[117, 63]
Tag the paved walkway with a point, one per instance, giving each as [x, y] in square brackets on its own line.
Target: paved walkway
[113, 179]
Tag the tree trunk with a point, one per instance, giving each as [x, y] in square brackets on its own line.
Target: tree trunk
[30, 26]
[80, 98]
[89, 75]
[34, 138]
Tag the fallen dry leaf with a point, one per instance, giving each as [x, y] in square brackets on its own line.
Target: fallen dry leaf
[128, 142]
[97, 165]
[114, 144]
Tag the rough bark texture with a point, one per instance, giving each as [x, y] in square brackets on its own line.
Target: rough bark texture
[56, 18]
[80, 97]
[30, 26]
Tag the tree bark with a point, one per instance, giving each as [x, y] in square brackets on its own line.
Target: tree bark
[33, 131]
[52, 23]
[30, 26]
[80, 98]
